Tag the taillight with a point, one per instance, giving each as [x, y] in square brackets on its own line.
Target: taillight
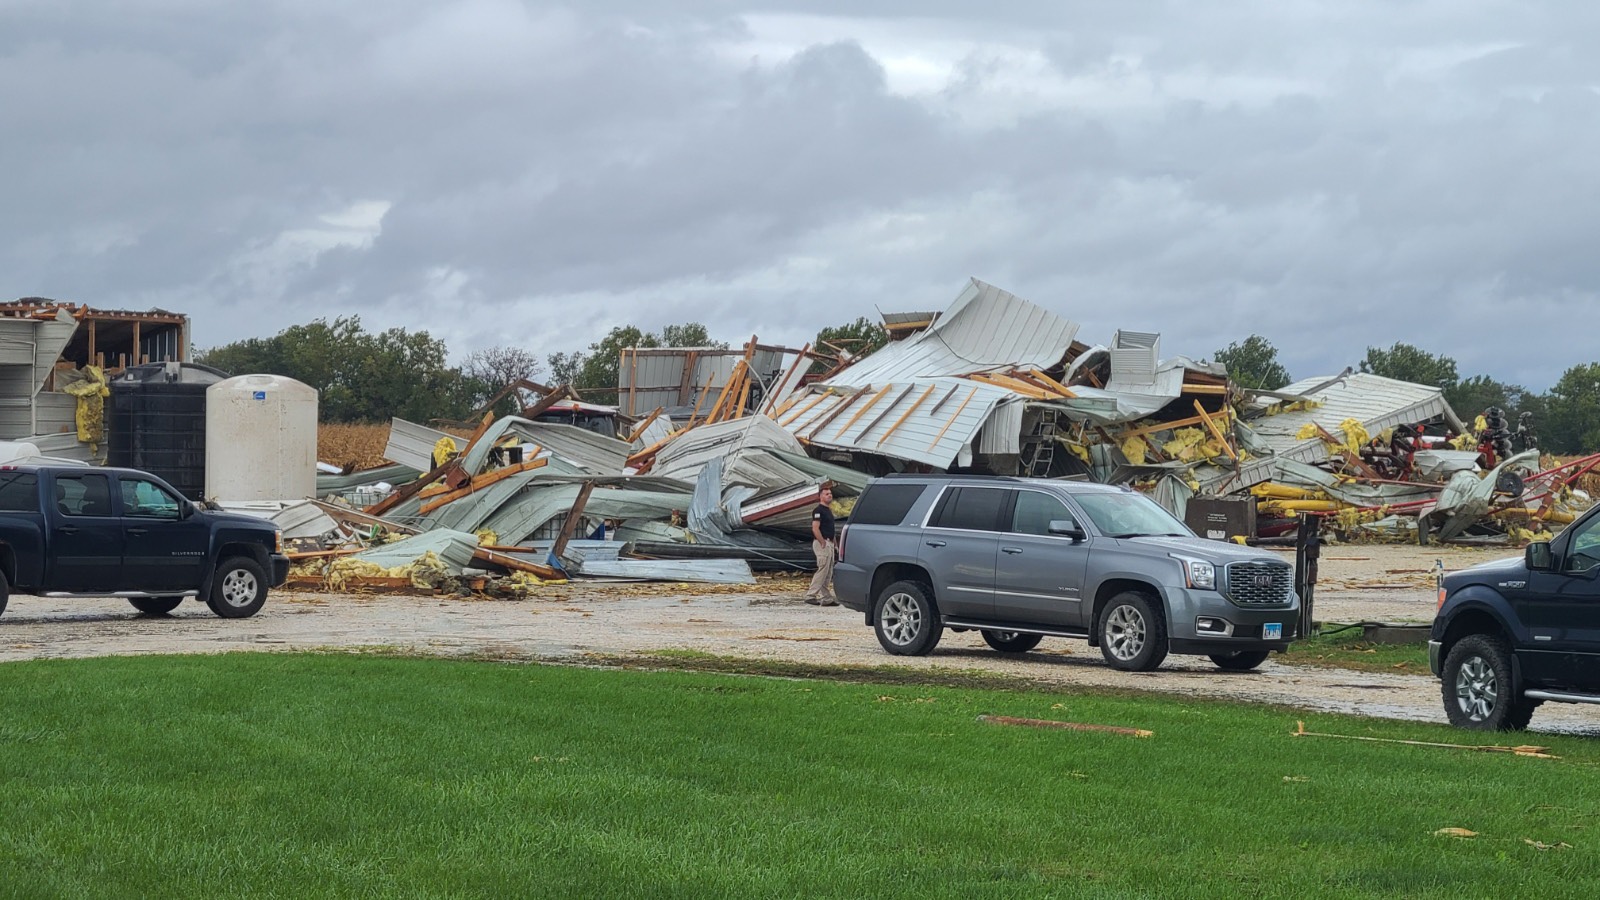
[844, 530]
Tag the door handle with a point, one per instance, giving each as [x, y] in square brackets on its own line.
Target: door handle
[138, 530]
[1012, 550]
[935, 543]
[68, 529]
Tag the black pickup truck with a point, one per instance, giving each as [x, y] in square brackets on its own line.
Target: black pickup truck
[1512, 634]
[91, 532]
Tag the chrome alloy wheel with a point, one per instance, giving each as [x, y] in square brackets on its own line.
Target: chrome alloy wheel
[1477, 689]
[1124, 634]
[901, 618]
[239, 588]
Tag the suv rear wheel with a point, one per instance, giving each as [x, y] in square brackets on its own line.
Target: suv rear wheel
[1133, 634]
[1479, 691]
[905, 619]
[1011, 641]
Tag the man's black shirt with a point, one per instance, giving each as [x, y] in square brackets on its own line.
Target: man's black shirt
[823, 515]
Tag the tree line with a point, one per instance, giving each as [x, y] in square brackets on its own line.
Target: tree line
[367, 376]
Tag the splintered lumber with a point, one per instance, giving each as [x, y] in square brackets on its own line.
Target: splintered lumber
[821, 396]
[940, 436]
[1189, 388]
[1066, 726]
[1173, 425]
[1215, 431]
[815, 428]
[1011, 384]
[863, 410]
[574, 516]
[686, 384]
[1040, 379]
[906, 415]
[639, 429]
[649, 452]
[478, 484]
[883, 413]
[716, 413]
[493, 558]
[407, 491]
[358, 518]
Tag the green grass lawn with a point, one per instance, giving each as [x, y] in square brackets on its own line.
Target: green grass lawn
[1347, 650]
[335, 775]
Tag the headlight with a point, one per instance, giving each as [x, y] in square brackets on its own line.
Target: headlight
[278, 541]
[1198, 573]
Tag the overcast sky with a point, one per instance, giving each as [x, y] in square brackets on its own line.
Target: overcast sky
[1331, 175]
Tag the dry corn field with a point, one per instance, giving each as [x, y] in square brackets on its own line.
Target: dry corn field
[352, 446]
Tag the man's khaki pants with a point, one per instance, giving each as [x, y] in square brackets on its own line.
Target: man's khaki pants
[822, 582]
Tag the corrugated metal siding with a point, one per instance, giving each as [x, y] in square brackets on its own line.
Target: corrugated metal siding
[17, 342]
[683, 459]
[412, 445]
[923, 437]
[1003, 432]
[654, 377]
[985, 328]
[55, 413]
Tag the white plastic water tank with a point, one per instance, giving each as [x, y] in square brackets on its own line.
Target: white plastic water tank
[261, 439]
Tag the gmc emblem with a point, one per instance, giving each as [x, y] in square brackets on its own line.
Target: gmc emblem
[1262, 581]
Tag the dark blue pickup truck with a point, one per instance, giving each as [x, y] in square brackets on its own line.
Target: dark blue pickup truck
[69, 532]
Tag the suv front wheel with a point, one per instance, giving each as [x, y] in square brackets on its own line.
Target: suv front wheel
[905, 619]
[1479, 692]
[1133, 633]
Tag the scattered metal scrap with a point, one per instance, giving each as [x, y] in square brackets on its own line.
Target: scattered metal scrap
[710, 465]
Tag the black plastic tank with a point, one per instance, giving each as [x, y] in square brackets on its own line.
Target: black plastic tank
[157, 422]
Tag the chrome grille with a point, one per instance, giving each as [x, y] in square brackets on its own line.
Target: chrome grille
[1259, 584]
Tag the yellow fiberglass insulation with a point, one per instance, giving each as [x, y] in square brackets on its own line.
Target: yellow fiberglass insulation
[91, 392]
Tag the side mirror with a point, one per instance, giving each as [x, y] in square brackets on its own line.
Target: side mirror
[1067, 528]
[1538, 557]
[186, 509]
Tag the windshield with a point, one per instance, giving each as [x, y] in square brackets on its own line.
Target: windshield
[1127, 514]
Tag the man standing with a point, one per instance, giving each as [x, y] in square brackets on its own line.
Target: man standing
[823, 545]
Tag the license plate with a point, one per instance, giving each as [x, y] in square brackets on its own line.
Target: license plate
[1272, 631]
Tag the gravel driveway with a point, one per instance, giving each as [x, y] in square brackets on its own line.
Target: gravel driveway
[1380, 583]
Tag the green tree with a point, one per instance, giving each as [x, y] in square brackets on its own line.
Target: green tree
[1573, 424]
[859, 338]
[1471, 396]
[1254, 364]
[360, 376]
[1404, 362]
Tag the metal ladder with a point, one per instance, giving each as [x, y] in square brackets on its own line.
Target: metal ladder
[1041, 445]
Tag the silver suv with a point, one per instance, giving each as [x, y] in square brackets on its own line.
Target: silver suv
[1020, 559]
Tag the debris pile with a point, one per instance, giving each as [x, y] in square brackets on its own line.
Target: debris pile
[710, 465]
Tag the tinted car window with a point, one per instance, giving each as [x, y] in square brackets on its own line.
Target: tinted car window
[886, 504]
[83, 495]
[976, 509]
[19, 492]
[1034, 512]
